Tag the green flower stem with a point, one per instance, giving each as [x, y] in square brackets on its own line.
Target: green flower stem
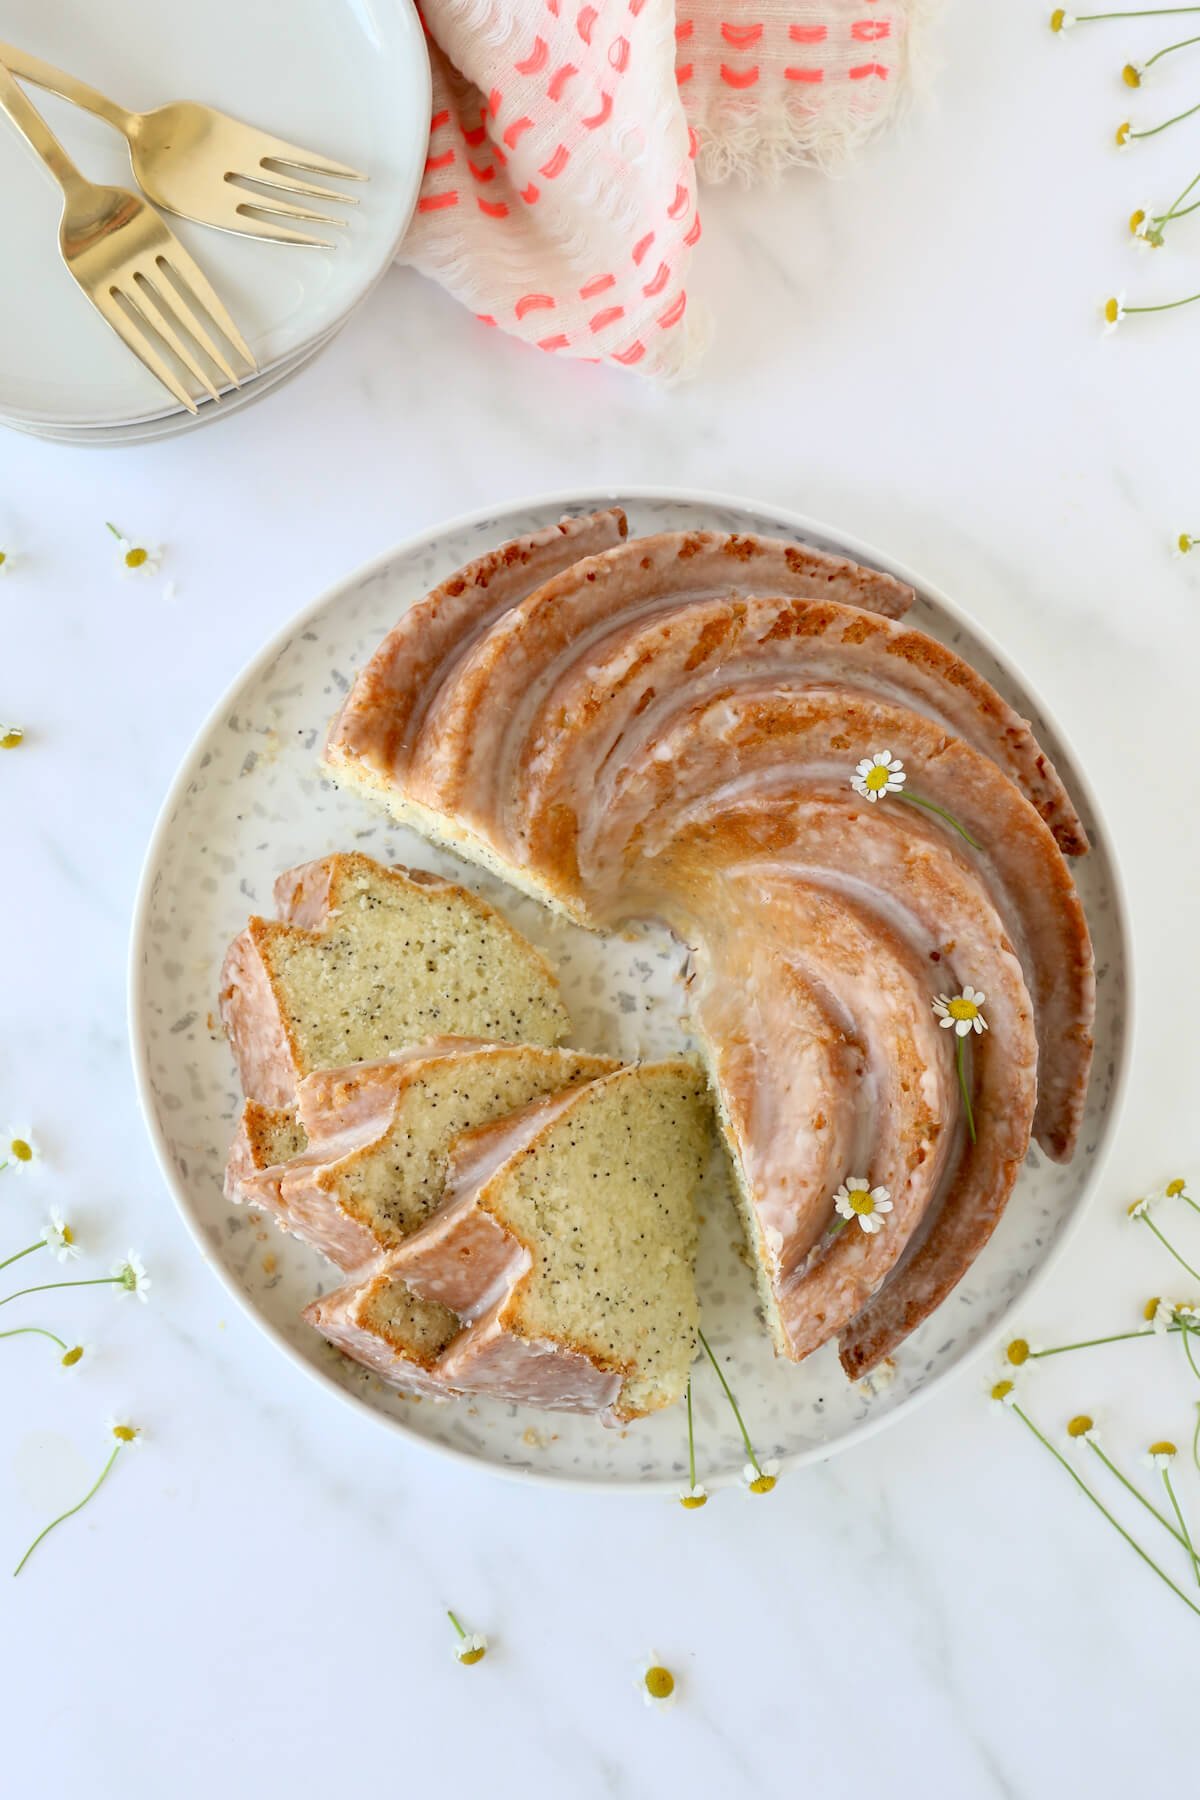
[70, 1513]
[1185, 1331]
[96, 1281]
[1147, 1220]
[34, 1331]
[1165, 306]
[1082, 1485]
[708, 1351]
[1154, 12]
[1118, 1337]
[27, 1251]
[1137, 1493]
[941, 812]
[691, 1439]
[1154, 130]
[455, 1623]
[1170, 49]
[1196, 1438]
[1187, 1198]
[1178, 1511]
[961, 1066]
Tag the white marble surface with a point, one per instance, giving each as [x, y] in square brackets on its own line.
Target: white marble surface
[253, 1604]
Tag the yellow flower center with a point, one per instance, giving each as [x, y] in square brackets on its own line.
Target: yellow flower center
[1151, 1307]
[68, 1236]
[20, 1151]
[660, 1683]
[1018, 1352]
[1135, 1207]
[13, 735]
[1136, 221]
[1057, 17]
[861, 1202]
[692, 1501]
[1002, 1390]
[762, 1484]
[473, 1656]
[3, 559]
[1123, 133]
[1185, 543]
[1131, 76]
[1175, 1187]
[878, 778]
[124, 1434]
[1079, 1426]
[135, 558]
[72, 1357]
[962, 1009]
[1164, 1447]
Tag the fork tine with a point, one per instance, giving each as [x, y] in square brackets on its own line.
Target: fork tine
[191, 283]
[288, 184]
[278, 150]
[165, 325]
[283, 209]
[115, 315]
[254, 227]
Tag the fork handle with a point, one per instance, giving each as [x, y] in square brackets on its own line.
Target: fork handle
[30, 123]
[68, 87]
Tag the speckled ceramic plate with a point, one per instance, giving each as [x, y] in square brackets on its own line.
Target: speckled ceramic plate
[250, 800]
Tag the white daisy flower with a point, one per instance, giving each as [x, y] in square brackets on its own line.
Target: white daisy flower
[857, 1199]
[694, 1497]
[11, 737]
[73, 1359]
[6, 563]
[1138, 1209]
[136, 559]
[1185, 543]
[1163, 1317]
[1081, 1431]
[133, 1276]
[17, 1148]
[877, 775]
[60, 1239]
[961, 1013]
[762, 1479]
[472, 1648]
[1002, 1394]
[656, 1683]
[1160, 1455]
[127, 1435]
[1061, 20]
[1114, 312]
[1123, 135]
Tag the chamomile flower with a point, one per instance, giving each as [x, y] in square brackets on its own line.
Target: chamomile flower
[877, 775]
[11, 737]
[1174, 1190]
[1123, 136]
[74, 1357]
[857, 1199]
[5, 563]
[128, 1436]
[1081, 1430]
[1061, 20]
[1018, 1351]
[1163, 1316]
[1132, 75]
[136, 559]
[761, 1477]
[1002, 1394]
[1114, 312]
[1161, 1454]
[1185, 543]
[694, 1496]
[60, 1239]
[962, 1013]
[1138, 1209]
[132, 1277]
[471, 1647]
[17, 1148]
[656, 1683]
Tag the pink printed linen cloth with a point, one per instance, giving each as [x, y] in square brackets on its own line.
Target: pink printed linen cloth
[560, 194]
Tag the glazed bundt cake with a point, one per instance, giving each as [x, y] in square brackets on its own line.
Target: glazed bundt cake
[669, 728]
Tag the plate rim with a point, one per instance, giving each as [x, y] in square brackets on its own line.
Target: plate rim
[567, 499]
[424, 114]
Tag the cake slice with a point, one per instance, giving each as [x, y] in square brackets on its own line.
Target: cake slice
[383, 1325]
[267, 1139]
[377, 1136]
[365, 960]
[566, 1243]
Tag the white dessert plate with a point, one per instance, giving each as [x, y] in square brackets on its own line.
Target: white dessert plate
[250, 801]
[349, 78]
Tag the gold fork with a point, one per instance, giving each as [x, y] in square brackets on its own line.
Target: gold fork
[198, 162]
[130, 265]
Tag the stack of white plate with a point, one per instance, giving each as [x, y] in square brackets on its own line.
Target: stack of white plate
[347, 78]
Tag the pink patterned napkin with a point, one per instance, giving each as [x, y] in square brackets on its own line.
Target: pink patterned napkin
[559, 200]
